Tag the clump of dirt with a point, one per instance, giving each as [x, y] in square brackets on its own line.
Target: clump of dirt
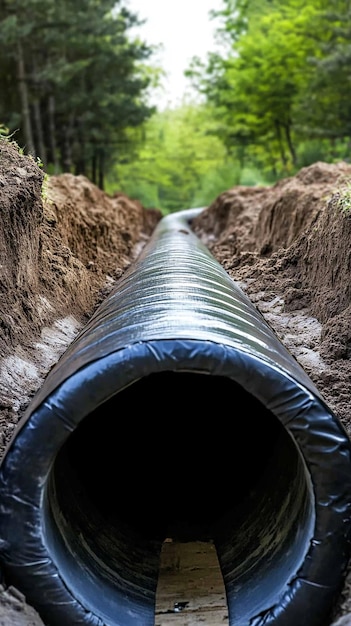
[64, 243]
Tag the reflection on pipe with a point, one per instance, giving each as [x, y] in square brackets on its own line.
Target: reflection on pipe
[176, 385]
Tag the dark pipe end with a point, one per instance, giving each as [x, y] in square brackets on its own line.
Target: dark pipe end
[91, 515]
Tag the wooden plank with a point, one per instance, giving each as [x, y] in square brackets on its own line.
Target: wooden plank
[190, 589]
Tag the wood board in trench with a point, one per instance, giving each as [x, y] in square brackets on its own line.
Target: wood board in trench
[190, 590]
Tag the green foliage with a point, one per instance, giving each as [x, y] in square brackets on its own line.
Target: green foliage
[180, 163]
[325, 105]
[224, 176]
[280, 93]
[175, 155]
[344, 200]
[5, 135]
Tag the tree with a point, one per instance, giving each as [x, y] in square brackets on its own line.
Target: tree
[79, 80]
[273, 88]
[325, 105]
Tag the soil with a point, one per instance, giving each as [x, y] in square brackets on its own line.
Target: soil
[64, 243]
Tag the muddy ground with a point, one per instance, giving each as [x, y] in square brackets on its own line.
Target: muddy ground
[64, 244]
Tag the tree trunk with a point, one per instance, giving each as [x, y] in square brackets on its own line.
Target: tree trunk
[52, 133]
[23, 92]
[80, 160]
[290, 143]
[101, 166]
[67, 160]
[94, 166]
[39, 132]
[280, 143]
[66, 157]
[37, 117]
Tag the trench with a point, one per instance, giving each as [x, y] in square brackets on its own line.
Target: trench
[176, 414]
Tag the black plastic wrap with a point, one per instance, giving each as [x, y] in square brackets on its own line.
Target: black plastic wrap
[176, 385]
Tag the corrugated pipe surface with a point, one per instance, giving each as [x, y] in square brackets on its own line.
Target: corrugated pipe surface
[177, 413]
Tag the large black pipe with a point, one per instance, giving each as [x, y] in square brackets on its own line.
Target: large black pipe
[176, 412]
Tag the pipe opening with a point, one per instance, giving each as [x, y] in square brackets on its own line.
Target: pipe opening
[183, 455]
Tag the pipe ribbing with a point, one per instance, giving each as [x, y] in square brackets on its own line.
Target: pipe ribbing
[176, 378]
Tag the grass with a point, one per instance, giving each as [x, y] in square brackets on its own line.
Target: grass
[344, 200]
[6, 136]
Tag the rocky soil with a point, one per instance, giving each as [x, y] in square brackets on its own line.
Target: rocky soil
[64, 243]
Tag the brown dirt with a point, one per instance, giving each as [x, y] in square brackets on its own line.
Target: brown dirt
[61, 252]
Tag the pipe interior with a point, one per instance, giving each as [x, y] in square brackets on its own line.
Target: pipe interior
[186, 456]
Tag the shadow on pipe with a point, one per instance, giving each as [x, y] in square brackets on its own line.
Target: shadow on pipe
[176, 413]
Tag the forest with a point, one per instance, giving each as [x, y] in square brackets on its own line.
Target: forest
[273, 97]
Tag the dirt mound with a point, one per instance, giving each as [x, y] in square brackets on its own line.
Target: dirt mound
[291, 241]
[64, 243]
[59, 245]
[265, 219]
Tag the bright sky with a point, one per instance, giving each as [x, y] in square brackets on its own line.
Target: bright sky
[184, 29]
